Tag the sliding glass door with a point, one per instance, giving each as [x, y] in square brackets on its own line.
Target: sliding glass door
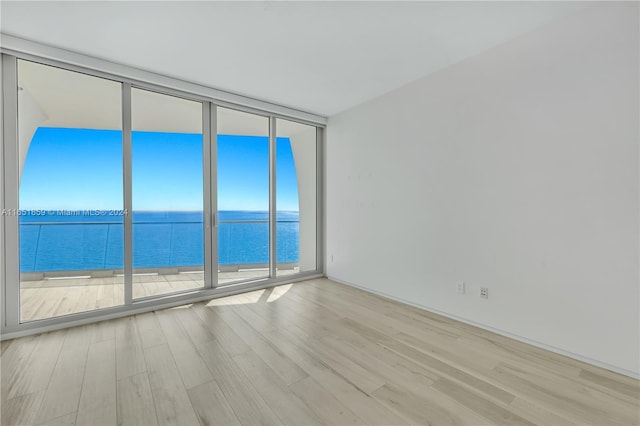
[251, 231]
[242, 196]
[296, 199]
[122, 194]
[70, 192]
[167, 194]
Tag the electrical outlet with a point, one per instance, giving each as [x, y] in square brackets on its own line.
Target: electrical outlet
[484, 292]
[460, 287]
[331, 258]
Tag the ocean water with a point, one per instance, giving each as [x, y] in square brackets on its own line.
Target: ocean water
[90, 240]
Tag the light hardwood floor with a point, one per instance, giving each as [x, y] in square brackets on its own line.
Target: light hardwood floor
[54, 297]
[315, 352]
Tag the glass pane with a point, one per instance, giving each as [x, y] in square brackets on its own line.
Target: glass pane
[71, 217]
[243, 196]
[295, 197]
[167, 179]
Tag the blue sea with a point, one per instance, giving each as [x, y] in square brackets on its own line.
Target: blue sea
[93, 240]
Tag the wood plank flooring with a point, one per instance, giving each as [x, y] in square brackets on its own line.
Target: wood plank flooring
[54, 297]
[315, 352]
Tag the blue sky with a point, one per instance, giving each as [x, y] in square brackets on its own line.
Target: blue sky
[79, 169]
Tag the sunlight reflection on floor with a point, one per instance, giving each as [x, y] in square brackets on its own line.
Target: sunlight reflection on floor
[278, 292]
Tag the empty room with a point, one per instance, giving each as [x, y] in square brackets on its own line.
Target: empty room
[320, 213]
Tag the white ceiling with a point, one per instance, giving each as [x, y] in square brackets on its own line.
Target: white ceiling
[53, 97]
[320, 57]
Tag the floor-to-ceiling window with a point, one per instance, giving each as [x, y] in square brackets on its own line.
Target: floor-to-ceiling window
[127, 194]
[243, 195]
[296, 199]
[70, 192]
[167, 194]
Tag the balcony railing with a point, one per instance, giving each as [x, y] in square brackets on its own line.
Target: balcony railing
[95, 248]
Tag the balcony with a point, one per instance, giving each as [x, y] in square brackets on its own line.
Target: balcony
[71, 266]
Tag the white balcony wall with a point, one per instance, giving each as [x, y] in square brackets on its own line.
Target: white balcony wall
[31, 117]
[303, 145]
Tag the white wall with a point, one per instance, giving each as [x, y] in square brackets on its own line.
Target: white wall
[516, 170]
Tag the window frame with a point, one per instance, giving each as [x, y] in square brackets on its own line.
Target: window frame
[10, 325]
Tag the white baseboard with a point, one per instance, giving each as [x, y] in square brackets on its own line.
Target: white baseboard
[523, 339]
